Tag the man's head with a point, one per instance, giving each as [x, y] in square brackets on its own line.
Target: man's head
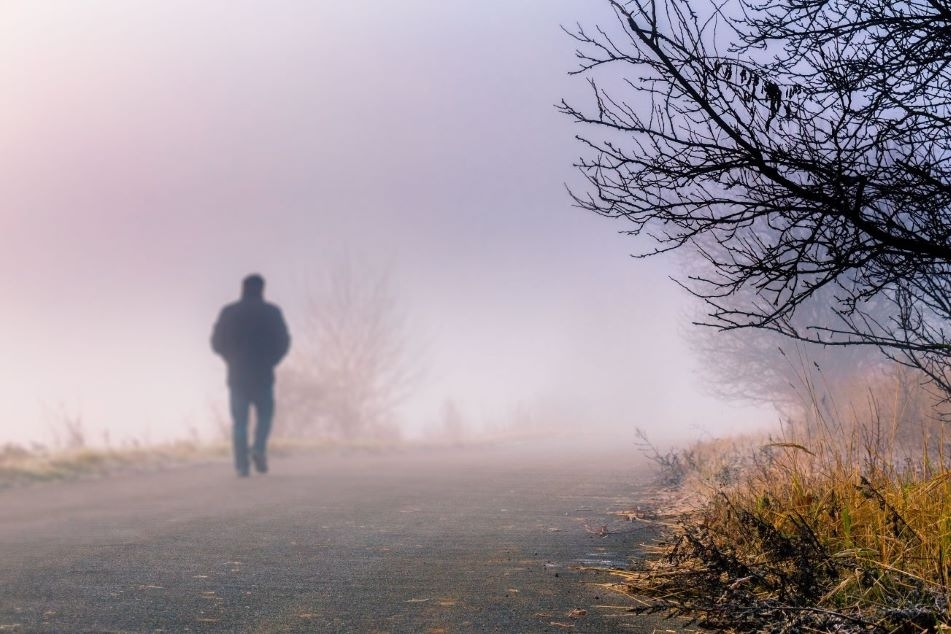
[252, 287]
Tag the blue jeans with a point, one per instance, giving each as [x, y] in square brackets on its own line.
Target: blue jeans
[241, 401]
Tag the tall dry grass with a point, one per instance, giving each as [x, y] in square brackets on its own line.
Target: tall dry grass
[841, 523]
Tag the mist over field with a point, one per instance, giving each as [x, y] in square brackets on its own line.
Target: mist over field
[154, 153]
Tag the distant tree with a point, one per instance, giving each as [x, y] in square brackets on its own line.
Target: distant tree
[763, 366]
[803, 147]
[452, 424]
[854, 390]
[352, 364]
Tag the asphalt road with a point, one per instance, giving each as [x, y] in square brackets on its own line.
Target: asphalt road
[487, 540]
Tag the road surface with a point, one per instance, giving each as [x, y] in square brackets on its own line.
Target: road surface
[479, 540]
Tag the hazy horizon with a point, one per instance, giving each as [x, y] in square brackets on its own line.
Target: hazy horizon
[154, 153]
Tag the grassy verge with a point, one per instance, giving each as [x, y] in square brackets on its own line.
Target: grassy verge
[19, 466]
[838, 529]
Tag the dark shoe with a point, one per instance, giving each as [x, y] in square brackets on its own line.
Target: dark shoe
[244, 473]
[260, 462]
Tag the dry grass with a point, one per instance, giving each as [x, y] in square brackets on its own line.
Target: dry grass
[834, 527]
[19, 465]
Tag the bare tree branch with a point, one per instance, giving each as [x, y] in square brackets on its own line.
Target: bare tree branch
[800, 145]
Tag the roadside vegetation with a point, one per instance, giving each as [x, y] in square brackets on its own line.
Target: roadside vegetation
[70, 456]
[20, 465]
[840, 523]
[24, 465]
[798, 152]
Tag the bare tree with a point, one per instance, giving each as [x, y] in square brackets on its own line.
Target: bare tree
[352, 364]
[803, 147]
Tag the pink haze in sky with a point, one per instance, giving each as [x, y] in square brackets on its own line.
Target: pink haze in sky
[152, 153]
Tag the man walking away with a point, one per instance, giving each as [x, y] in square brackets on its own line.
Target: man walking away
[251, 336]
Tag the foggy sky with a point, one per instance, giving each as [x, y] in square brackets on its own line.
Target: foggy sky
[153, 153]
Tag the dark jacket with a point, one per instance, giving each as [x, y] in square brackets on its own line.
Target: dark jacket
[252, 337]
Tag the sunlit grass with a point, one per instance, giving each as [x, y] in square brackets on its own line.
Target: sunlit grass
[833, 527]
[19, 465]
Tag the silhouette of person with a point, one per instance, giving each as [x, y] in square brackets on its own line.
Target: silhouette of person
[251, 336]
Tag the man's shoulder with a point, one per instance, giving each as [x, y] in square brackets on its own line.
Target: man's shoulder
[230, 308]
[273, 309]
